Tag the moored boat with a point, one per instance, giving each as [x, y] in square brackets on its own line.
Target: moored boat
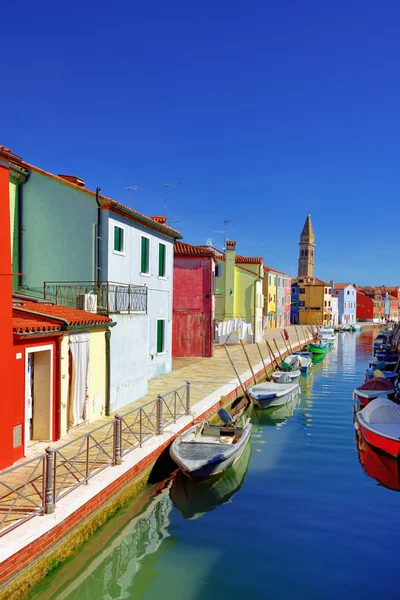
[384, 469]
[317, 348]
[292, 375]
[206, 449]
[270, 393]
[356, 327]
[391, 375]
[298, 361]
[379, 423]
[371, 389]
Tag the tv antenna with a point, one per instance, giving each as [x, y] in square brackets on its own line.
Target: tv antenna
[225, 231]
[131, 187]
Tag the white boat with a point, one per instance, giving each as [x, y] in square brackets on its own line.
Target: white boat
[326, 330]
[356, 327]
[270, 393]
[326, 337]
[298, 361]
[293, 375]
[205, 449]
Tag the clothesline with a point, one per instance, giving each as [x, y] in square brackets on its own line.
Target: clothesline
[234, 325]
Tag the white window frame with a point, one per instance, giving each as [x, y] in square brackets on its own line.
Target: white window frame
[123, 245]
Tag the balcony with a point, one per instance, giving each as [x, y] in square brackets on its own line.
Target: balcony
[105, 297]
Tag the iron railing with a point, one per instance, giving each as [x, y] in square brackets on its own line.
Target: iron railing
[105, 297]
[35, 486]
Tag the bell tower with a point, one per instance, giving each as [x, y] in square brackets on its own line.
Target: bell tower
[307, 245]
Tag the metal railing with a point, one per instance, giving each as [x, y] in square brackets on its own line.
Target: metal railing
[35, 486]
[107, 297]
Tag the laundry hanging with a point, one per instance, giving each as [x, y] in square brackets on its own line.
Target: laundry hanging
[79, 351]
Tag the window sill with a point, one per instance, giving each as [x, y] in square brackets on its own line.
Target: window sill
[145, 274]
[162, 277]
[119, 253]
[161, 353]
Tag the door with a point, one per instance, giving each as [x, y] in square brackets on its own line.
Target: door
[38, 395]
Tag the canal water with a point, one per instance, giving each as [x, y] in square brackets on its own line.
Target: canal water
[299, 517]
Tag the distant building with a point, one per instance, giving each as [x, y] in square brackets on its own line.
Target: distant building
[311, 301]
[307, 245]
[347, 300]
[269, 289]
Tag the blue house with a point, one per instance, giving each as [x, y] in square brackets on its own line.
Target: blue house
[347, 302]
[294, 305]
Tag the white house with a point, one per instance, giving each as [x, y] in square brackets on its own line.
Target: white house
[81, 249]
[335, 310]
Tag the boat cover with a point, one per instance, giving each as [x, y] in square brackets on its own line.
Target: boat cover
[381, 410]
[377, 383]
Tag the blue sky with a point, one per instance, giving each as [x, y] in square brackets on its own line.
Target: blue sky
[262, 110]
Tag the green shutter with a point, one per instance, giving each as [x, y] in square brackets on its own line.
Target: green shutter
[145, 255]
[161, 260]
[160, 335]
[118, 239]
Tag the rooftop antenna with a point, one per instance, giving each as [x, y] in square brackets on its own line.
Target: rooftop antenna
[167, 185]
[131, 187]
[225, 231]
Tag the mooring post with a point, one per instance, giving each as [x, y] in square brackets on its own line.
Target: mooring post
[236, 372]
[117, 458]
[277, 347]
[159, 412]
[262, 358]
[49, 504]
[297, 335]
[248, 362]
[188, 397]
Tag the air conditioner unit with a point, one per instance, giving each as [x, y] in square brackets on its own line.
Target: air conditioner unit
[86, 302]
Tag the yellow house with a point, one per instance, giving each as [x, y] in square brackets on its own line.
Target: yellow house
[238, 288]
[270, 295]
[315, 301]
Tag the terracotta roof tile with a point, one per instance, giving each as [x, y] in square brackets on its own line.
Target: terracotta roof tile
[341, 286]
[181, 249]
[46, 320]
[248, 259]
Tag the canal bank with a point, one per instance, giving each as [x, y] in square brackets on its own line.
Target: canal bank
[302, 520]
[30, 550]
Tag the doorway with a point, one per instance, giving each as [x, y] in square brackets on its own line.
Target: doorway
[38, 395]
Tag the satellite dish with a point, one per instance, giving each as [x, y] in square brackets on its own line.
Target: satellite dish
[209, 242]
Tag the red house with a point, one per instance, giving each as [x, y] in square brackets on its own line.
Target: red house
[193, 301]
[364, 308]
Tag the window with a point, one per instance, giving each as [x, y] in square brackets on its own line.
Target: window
[302, 290]
[325, 303]
[293, 290]
[348, 292]
[118, 239]
[160, 336]
[302, 303]
[161, 259]
[330, 291]
[270, 280]
[217, 270]
[145, 256]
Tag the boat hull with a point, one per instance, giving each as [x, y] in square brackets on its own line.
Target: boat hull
[214, 465]
[384, 443]
[273, 401]
[316, 349]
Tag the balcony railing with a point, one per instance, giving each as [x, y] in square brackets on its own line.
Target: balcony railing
[105, 297]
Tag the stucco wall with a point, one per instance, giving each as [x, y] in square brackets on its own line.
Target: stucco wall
[58, 236]
[14, 229]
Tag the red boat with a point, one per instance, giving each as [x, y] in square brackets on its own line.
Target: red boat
[379, 424]
[385, 469]
[371, 389]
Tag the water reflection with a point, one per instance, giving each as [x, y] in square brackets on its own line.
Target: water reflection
[276, 416]
[384, 469]
[194, 499]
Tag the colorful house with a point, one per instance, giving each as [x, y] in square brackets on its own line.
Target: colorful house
[193, 301]
[283, 289]
[62, 370]
[314, 301]
[347, 300]
[79, 248]
[270, 295]
[370, 306]
[238, 290]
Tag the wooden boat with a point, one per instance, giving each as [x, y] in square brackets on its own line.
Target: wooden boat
[206, 449]
[317, 348]
[269, 394]
[371, 389]
[195, 498]
[356, 327]
[303, 352]
[293, 375]
[326, 337]
[391, 375]
[299, 361]
[326, 330]
[379, 424]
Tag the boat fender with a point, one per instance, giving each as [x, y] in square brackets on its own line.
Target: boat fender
[225, 416]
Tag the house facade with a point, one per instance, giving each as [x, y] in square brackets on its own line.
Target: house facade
[335, 310]
[238, 290]
[270, 297]
[347, 301]
[193, 301]
[283, 294]
[311, 301]
[80, 248]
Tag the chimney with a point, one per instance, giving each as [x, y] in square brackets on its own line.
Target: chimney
[332, 284]
[230, 278]
[73, 179]
[159, 220]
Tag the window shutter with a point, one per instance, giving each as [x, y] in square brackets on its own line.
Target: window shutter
[161, 260]
[160, 335]
[145, 255]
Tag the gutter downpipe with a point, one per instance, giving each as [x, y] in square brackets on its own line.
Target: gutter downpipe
[108, 373]
[20, 225]
[98, 241]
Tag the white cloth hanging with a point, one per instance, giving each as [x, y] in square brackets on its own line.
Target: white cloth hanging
[79, 348]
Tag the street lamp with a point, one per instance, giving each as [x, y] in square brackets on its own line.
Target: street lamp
[167, 185]
[131, 187]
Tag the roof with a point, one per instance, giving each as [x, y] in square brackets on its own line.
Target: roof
[341, 286]
[106, 203]
[313, 281]
[181, 249]
[48, 315]
[257, 260]
[307, 235]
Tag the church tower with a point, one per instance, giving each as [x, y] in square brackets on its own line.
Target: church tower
[307, 245]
